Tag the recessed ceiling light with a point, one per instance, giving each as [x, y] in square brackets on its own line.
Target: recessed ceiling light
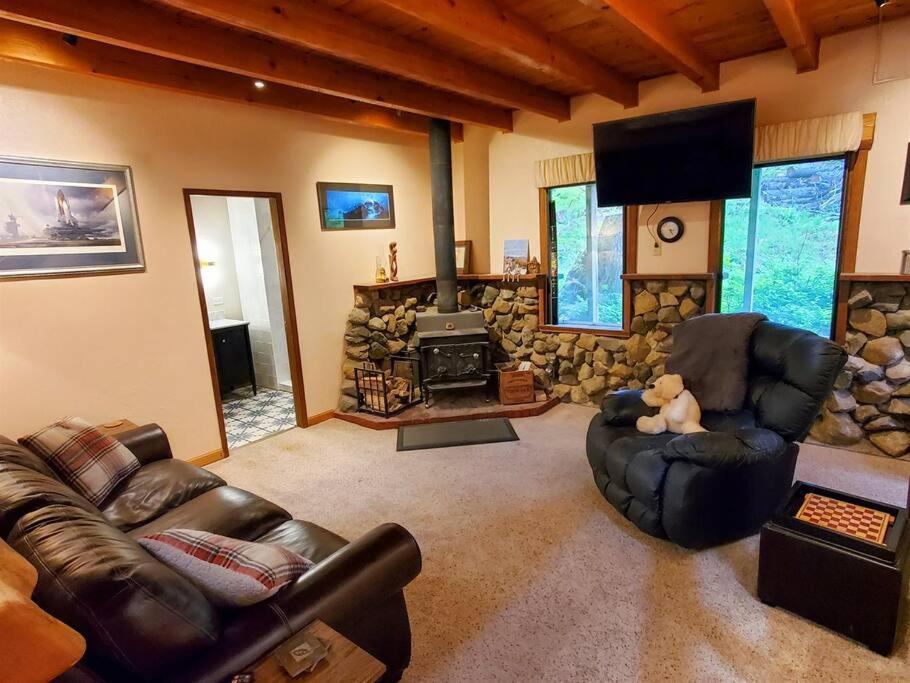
[259, 84]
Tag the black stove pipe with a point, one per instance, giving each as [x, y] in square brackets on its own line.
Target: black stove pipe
[443, 214]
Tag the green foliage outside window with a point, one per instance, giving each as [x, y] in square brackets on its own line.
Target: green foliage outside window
[589, 258]
[796, 236]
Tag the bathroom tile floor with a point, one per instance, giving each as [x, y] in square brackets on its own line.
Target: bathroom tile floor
[248, 418]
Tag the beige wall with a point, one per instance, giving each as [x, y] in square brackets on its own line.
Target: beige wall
[471, 190]
[133, 345]
[842, 84]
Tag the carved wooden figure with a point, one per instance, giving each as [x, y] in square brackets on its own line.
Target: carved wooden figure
[393, 261]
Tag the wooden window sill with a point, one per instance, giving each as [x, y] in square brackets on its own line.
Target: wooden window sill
[873, 277]
[671, 276]
[596, 331]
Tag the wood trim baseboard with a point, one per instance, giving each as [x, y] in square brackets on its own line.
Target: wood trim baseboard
[207, 458]
[320, 417]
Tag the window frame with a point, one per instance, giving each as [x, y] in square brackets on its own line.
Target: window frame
[849, 243]
[630, 261]
[842, 226]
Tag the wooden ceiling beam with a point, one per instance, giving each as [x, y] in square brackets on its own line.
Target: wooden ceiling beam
[45, 48]
[485, 24]
[156, 31]
[652, 28]
[797, 33]
[329, 31]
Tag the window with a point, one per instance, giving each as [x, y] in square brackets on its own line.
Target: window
[780, 248]
[586, 248]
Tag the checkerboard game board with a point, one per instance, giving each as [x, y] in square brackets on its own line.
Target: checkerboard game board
[845, 518]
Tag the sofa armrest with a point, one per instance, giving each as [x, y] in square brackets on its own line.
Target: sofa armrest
[148, 443]
[361, 574]
[726, 450]
[352, 582]
[623, 408]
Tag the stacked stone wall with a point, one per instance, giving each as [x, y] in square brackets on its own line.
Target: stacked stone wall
[870, 406]
[868, 410]
[580, 368]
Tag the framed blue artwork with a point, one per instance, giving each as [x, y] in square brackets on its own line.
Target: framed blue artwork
[354, 206]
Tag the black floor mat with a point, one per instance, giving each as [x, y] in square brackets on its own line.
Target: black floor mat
[447, 434]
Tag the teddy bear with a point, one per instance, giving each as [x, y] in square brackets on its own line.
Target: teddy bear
[679, 411]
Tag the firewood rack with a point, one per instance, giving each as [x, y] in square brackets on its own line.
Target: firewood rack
[388, 391]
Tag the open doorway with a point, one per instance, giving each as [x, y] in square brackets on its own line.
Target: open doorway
[242, 271]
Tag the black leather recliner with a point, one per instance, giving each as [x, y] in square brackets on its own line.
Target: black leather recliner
[708, 488]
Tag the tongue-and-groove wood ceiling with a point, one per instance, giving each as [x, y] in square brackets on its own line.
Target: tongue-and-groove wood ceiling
[393, 63]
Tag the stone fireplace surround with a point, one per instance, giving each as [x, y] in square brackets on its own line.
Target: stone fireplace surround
[869, 409]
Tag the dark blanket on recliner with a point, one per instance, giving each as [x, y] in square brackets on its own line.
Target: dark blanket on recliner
[711, 352]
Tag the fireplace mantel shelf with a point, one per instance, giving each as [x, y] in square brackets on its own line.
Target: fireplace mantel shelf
[423, 280]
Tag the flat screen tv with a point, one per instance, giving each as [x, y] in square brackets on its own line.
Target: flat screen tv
[681, 156]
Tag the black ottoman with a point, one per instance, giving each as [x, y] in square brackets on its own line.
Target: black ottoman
[852, 586]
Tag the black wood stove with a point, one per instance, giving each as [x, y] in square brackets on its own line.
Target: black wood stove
[454, 351]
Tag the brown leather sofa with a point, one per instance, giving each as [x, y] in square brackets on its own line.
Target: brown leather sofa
[143, 621]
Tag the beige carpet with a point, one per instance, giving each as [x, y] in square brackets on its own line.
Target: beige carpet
[529, 575]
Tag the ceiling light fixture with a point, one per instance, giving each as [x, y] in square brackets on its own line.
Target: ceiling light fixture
[259, 84]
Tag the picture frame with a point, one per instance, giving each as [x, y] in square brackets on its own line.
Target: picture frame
[905, 262]
[355, 206]
[67, 218]
[462, 256]
[516, 254]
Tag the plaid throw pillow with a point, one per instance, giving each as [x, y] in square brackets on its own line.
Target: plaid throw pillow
[230, 572]
[91, 462]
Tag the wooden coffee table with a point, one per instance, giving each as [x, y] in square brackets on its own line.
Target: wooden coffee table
[344, 663]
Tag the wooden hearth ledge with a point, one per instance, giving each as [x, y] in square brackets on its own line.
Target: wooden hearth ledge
[418, 415]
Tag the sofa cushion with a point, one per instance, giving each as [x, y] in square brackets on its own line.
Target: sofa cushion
[230, 572]
[224, 510]
[139, 617]
[155, 489]
[91, 462]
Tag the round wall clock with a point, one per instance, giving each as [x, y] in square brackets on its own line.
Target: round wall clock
[671, 229]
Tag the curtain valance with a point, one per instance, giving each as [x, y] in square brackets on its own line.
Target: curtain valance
[824, 136]
[571, 170]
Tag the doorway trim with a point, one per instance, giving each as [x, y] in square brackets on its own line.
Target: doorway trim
[279, 231]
